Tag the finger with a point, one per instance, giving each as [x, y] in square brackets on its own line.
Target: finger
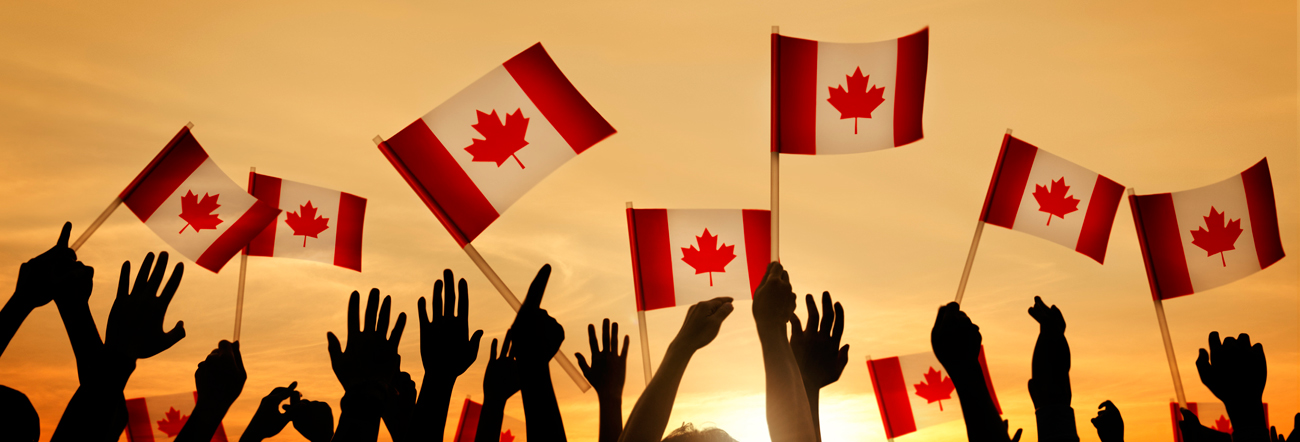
[604, 335]
[813, 316]
[173, 336]
[591, 339]
[843, 357]
[613, 338]
[1215, 344]
[582, 364]
[437, 297]
[837, 332]
[492, 354]
[448, 297]
[124, 281]
[381, 323]
[155, 279]
[398, 327]
[796, 327]
[1203, 365]
[462, 298]
[533, 300]
[239, 357]
[354, 315]
[1244, 339]
[142, 275]
[1107, 405]
[64, 235]
[173, 283]
[335, 349]
[1017, 436]
[828, 316]
[424, 314]
[372, 310]
[722, 312]
[475, 340]
[505, 344]
[623, 355]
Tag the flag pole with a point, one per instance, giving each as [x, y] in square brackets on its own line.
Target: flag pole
[970, 256]
[243, 269]
[1159, 304]
[640, 314]
[776, 158]
[98, 221]
[510, 298]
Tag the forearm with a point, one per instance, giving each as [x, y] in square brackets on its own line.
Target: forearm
[540, 403]
[431, 407]
[788, 415]
[93, 414]
[649, 416]
[611, 418]
[1248, 421]
[814, 396]
[982, 420]
[203, 422]
[359, 416]
[1056, 424]
[83, 335]
[489, 420]
[11, 317]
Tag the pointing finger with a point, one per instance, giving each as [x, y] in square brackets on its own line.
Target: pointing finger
[533, 300]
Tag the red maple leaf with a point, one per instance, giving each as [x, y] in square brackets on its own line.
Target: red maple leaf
[507, 437]
[1220, 237]
[1055, 201]
[173, 422]
[935, 388]
[709, 258]
[500, 141]
[199, 213]
[857, 101]
[1222, 424]
[306, 223]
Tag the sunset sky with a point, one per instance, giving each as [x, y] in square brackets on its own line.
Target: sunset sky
[1159, 96]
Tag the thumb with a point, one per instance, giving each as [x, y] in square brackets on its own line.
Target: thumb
[336, 350]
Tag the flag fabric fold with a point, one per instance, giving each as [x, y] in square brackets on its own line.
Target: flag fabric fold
[1198, 239]
[833, 98]
[512, 430]
[317, 224]
[192, 205]
[473, 156]
[1211, 414]
[914, 392]
[680, 257]
[1044, 195]
[160, 418]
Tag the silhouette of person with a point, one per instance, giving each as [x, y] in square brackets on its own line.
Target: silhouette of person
[956, 343]
[607, 373]
[1049, 386]
[817, 350]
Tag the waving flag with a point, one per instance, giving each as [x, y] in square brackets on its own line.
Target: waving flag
[1203, 238]
[680, 257]
[318, 224]
[914, 392]
[512, 430]
[477, 153]
[189, 202]
[1041, 194]
[1211, 414]
[160, 418]
[830, 98]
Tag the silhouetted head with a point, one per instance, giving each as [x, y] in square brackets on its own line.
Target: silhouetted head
[18, 418]
[688, 433]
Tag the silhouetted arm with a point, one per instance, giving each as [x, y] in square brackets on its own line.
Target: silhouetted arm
[817, 350]
[607, 372]
[366, 368]
[40, 280]
[1050, 385]
[268, 420]
[1109, 423]
[956, 343]
[650, 415]
[537, 337]
[447, 350]
[788, 415]
[1235, 371]
[399, 406]
[500, 382]
[219, 381]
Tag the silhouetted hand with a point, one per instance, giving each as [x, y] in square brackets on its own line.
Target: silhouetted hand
[817, 348]
[1049, 386]
[501, 378]
[1193, 431]
[446, 348]
[1235, 371]
[220, 378]
[1295, 432]
[47, 276]
[774, 301]
[135, 322]
[1049, 320]
[370, 359]
[702, 323]
[608, 368]
[398, 406]
[1109, 423]
[536, 335]
[955, 339]
[314, 420]
[268, 420]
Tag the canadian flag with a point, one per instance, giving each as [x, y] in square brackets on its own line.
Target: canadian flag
[317, 224]
[1211, 414]
[190, 203]
[474, 155]
[914, 392]
[1203, 238]
[680, 257]
[512, 430]
[161, 418]
[830, 98]
[1046, 196]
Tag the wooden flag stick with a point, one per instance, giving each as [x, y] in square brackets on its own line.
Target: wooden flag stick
[776, 164]
[970, 256]
[510, 298]
[1160, 305]
[243, 270]
[640, 314]
[98, 221]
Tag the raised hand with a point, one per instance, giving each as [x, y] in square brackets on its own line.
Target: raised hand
[702, 323]
[501, 379]
[1050, 319]
[1049, 386]
[54, 274]
[135, 323]
[370, 359]
[219, 380]
[268, 420]
[446, 347]
[44, 277]
[607, 372]
[1295, 432]
[314, 420]
[955, 339]
[1235, 371]
[608, 367]
[536, 338]
[1109, 423]
[956, 343]
[774, 301]
[817, 348]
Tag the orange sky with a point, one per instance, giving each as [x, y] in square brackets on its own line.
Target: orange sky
[1160, 96]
